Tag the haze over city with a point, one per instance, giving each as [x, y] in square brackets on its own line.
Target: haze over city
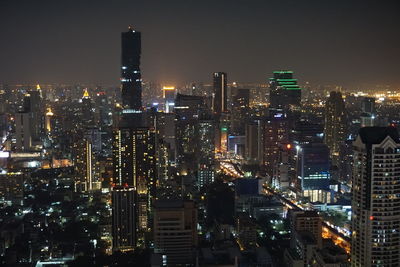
[349, 43]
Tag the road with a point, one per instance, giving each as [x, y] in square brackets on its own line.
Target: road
[327, 231]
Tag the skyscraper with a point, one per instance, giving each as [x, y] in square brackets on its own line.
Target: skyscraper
[130, 70]
[335, 125]
[220, 93]
[133, 145]
[375, 219]
[284, 90]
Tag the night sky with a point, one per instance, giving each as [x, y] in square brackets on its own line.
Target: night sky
[351, 43]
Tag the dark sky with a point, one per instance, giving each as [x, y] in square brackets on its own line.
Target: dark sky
[347, 42]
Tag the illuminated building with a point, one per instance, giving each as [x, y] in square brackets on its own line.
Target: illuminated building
[375, 219]
[11, 187]
[124, 221]
[313, 172]
[175, 231]
[189, 110]
[284, 91]
[134, 165]
[134, 158]
[306, 237]
[48, 118]
[368, 114]
[220, 93]
[83, 163]
[169, 98]
[276, 132]
[87, 109]
[130, 70]
[335, 125]
[206, 152]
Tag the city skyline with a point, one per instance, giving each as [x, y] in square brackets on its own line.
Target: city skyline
[353, 44]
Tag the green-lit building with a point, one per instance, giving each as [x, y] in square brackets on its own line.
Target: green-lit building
[284, 90]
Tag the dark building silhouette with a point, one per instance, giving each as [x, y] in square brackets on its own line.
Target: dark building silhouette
[284, 90]
[123, 218]
[130, 70]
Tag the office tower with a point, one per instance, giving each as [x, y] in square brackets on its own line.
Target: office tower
[220, 93]
[368, 114]
[306, 132]
[175, 231]
[189, 111]
[33, 106]
[169, 98]
[83, 164]
[313, 172]
[275, 133]
[282, 172]
[335, 125]
[240, 110]
[253, 142]
[206, 152]
[130, 70]
[284, 91]
[87, 109]
[375, 219]
[23, 134]
[103, 109]
[123, 218]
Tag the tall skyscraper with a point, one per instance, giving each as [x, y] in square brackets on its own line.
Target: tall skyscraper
[284, 90]
[335, 125]
[220, 93]
[375, 219]
[130, 70]
[134, 157]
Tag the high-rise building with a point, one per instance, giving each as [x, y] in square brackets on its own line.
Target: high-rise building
[124, 220]
[134, 158]
[175, 231]
[33, 105]
[276, 132]
[335, 125]
[169, 98]
[375, 219]
[284, 90]
[87, 109]
[130, 70]
[220, 101]
[23, 133]
[313, 172]
[189, 110]
[84, 163]
[240, 111]
[368, 114]
[253, 142]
